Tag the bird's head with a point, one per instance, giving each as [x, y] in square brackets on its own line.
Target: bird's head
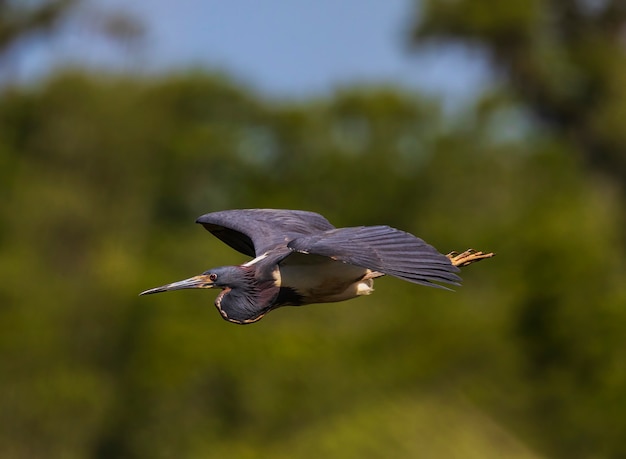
[244, 299]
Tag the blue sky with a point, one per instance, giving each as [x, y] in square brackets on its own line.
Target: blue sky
[283, 48]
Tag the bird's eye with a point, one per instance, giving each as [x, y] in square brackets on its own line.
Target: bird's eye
[212, 277]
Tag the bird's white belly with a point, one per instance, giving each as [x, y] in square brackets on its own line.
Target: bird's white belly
[323, 280]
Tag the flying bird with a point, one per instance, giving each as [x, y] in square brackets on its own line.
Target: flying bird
[299, 258]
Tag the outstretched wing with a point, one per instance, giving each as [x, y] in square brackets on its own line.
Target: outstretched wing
[384, 249]
[254, 231]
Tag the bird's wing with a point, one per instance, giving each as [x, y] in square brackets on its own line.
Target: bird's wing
[384, 249]
[255, 231]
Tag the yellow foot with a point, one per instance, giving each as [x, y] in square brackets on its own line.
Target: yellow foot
[468, 257]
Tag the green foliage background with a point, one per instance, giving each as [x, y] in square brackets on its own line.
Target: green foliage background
[101, 178]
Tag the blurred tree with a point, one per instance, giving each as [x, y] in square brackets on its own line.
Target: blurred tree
[24, 23]
[564, 60]
[101, 181]
[19, 20]
[563, 63]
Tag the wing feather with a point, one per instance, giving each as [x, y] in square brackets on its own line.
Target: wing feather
[255, 231]
[384, 249]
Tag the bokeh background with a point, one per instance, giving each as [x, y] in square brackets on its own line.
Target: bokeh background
[472, 123]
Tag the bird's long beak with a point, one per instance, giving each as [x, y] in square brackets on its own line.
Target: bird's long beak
[201, 281]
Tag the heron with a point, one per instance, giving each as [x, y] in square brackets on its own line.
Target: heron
[299, 258]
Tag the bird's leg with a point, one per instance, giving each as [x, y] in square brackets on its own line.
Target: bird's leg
[468, 257]
[372, 275]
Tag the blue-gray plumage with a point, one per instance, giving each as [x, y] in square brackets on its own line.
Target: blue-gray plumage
[299, 258]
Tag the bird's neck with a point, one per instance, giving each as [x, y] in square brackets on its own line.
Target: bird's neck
[249, 299]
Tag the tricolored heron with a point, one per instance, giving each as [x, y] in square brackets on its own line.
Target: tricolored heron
[299, 258]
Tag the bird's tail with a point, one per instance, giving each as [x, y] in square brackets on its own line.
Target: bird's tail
[468, 257]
